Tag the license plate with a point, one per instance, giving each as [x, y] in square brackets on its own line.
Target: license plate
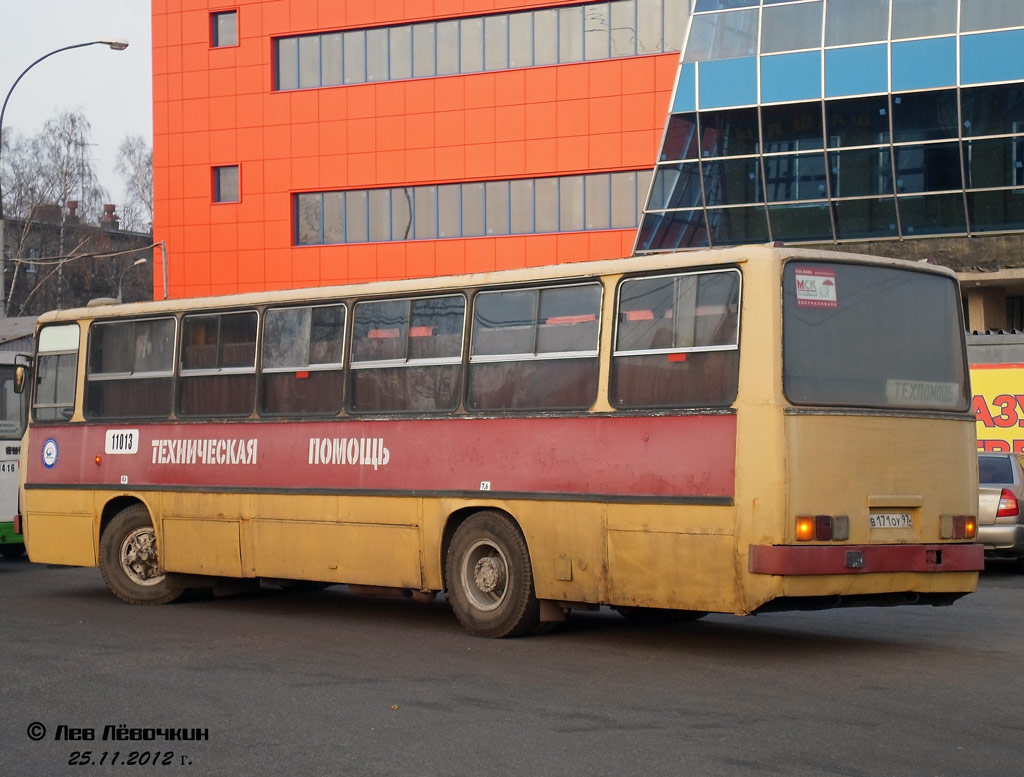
[891, 521]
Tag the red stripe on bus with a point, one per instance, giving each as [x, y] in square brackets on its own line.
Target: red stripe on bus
[668, 456]
[863, 559]
[1007, 366]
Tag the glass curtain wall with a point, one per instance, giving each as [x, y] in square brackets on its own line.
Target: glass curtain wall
[842, 120]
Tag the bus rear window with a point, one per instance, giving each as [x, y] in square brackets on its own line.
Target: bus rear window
[869, 336]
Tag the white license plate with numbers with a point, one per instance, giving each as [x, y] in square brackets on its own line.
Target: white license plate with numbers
[891, 521]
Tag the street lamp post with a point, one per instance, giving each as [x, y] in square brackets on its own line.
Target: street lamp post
[117, 44]
[120, 277]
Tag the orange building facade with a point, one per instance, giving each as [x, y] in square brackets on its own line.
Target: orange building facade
[270, 162]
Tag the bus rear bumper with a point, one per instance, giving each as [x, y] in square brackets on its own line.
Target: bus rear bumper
[864, 559]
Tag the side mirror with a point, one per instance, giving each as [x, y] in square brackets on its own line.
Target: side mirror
[20, 378]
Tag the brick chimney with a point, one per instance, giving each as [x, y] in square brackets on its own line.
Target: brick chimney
[72, 210]
[110, 220]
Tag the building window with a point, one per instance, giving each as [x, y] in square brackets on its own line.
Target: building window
[522, 206]
[224, 29]
[474, 44]
[225, 184]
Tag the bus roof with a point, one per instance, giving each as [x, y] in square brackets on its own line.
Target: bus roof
[680, 259]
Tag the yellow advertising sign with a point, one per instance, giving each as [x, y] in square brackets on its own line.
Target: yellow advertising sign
[999, 406]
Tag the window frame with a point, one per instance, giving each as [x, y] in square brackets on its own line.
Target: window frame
[483, 395]
[355, 366]
[215, 33]
[370, 364]
[111, 377]
[676, 349]
[716, 389]
[61, 407]
[535, 355]
[184, 374]
[308, 366]
[218, 187]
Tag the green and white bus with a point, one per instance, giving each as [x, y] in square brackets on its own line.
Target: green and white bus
[13, 415]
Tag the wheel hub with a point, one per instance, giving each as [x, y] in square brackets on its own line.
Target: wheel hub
[489, 574]
[139, 558]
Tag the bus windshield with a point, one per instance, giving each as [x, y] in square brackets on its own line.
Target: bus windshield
[872, 336]
[12, 406]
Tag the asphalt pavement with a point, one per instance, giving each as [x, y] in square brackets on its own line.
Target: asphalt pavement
[328, 683]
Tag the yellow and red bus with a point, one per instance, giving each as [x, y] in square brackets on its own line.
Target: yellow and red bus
[733, 430]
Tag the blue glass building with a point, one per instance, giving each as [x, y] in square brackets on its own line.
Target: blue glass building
[842, 121]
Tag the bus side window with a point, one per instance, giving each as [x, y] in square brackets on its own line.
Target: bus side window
[407, 355]
[535, 349]
[56, 373]
[130, 369]
[677, 341]
[302, 358]
[218, 364]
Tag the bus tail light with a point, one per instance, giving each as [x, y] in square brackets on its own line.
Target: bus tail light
[1007, 504]
[970, 527]
[958, 527]
[805, 527]
[822, 527]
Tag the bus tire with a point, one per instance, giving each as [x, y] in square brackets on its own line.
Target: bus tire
[490, 577]
[12, 550]
[128, 560]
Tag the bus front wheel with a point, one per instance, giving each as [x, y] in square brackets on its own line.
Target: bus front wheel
[490, 578]
[129, 563]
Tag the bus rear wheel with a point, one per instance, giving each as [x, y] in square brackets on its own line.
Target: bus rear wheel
[129, 562]
[490, 578]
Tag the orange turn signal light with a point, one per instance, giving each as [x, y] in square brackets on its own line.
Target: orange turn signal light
[98, 460]
[805, 527]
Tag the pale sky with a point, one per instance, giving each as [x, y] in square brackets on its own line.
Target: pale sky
[114, 89]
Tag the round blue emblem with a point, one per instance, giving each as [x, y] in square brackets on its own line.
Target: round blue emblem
[50, 453]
